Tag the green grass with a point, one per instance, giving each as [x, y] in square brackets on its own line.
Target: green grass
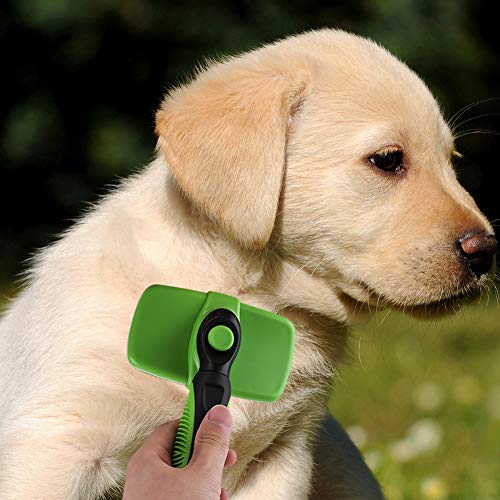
[442, 378]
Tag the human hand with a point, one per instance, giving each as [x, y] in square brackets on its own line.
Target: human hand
[150, 475]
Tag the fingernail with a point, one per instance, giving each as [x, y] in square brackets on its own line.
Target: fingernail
[220, 415]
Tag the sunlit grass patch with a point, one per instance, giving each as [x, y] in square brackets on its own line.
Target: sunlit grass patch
[427, 396]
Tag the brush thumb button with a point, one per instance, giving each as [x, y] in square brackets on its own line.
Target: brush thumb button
[221, 338]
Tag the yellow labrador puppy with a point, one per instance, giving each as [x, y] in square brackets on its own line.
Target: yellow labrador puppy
[311, 177]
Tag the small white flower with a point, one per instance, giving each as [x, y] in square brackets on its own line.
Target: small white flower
[426, 435]
[423, 436]
[403, 450]
[428, 397]
[373, 458]
[358, 435]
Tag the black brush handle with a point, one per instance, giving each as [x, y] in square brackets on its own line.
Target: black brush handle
[211, 384]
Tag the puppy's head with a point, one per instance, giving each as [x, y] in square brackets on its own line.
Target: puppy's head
[351, 147]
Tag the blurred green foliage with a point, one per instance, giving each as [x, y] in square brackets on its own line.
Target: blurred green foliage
[422, 400]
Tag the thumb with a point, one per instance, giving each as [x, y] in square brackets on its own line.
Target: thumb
[211, 443]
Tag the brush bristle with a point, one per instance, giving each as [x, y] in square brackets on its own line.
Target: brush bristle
[184, 436]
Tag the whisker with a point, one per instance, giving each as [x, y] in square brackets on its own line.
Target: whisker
[456, 127]
[359, 355]
[476, 131]
[319, 264]
[497, 293]
[385, 317]
[460, 112]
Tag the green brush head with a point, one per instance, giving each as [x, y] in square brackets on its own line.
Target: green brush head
[161, 332]
[172, 326]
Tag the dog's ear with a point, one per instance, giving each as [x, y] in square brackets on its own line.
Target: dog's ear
[224, 138]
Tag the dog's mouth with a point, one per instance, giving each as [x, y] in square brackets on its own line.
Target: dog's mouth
[446, 304]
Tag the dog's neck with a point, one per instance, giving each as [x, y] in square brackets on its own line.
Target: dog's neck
[194, 252]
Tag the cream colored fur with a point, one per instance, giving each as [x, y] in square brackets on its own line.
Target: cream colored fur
[262, 190]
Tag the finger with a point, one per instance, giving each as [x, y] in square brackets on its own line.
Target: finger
[211, 444]
[230, 458]
[223, 494]
[161, 441]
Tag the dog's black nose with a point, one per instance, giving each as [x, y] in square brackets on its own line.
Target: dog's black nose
[479, 250]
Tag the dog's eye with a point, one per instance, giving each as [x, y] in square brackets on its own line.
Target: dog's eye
[389, 161]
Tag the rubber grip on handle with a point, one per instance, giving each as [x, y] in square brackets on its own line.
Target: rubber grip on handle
[209, 389]
[181, 451]
[210, 385]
